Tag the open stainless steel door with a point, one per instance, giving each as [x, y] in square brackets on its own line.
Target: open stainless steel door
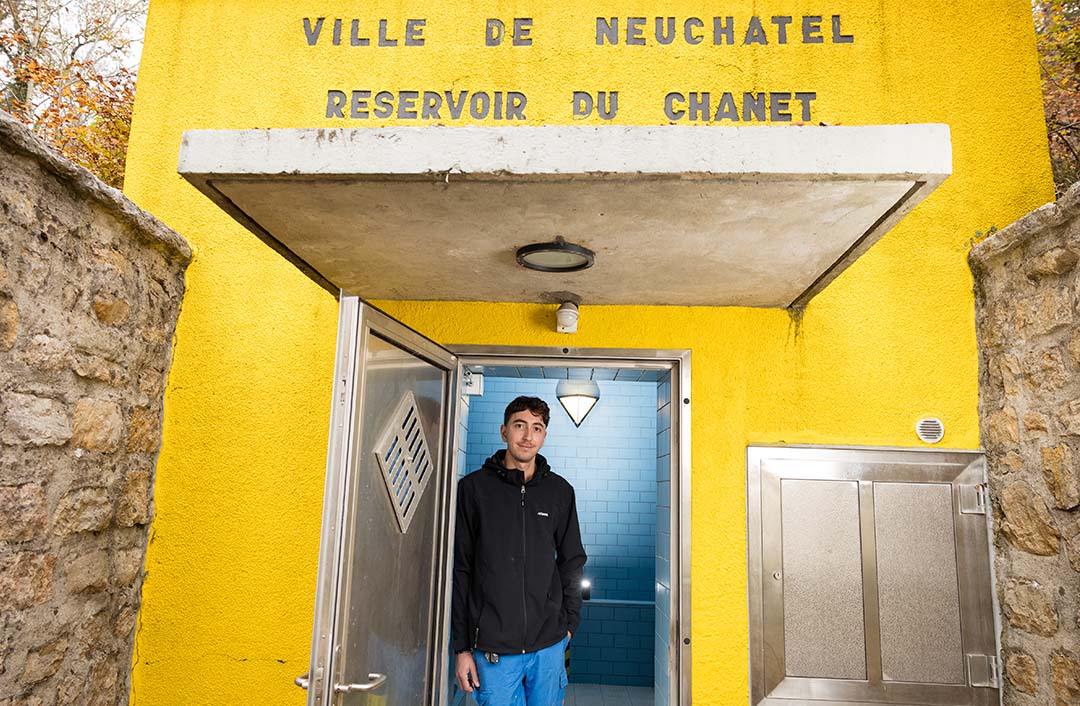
[379, 628]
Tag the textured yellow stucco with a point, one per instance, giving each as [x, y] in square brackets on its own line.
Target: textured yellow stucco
[227, 602]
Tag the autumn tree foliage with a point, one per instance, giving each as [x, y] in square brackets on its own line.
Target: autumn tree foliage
[1057, 27]
[63, 73]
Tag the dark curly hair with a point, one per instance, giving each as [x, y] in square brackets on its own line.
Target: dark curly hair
[534, 404]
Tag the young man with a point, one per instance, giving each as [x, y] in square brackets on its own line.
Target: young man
[517, 569]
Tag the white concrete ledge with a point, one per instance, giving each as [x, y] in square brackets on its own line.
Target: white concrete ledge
[916, 151]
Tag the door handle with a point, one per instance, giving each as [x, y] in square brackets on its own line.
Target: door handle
[375, 682]
[302, 681]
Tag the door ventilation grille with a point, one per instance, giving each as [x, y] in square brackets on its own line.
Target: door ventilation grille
[405, 461]
[930, 430]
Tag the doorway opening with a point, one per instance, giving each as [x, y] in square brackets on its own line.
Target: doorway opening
[621, 461]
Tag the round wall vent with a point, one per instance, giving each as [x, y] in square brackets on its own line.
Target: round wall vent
[930, 430]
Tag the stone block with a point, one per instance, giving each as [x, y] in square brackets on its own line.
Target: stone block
[1002, 428]
[1073, 346]
[1068, 416]
[35, 421]
[1071, 532]
[1027, 523]
[1065, 679]
[87, 573]
[93, 630]
[1044, 371]
[83, 510]
[9, 324]
[1034, 424]
[1009, 369]
[1061, 476]
[98, 425]
[152, 383]
[127, 565]
[1030, 607]
[1046, 311]
[1022, 672]
[1054, 262]
[30, 700]
[70, 690]
[144, 431]
[47, 353]
[124, 623]
[22, 512]
[133, 503]
[95, 367]
[111, 259]
[43, 662]
[110, 309]
[102, 686]
[26, 578]
[1011, 462]
[154, 334]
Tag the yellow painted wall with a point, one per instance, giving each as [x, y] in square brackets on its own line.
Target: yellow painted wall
[231, 565]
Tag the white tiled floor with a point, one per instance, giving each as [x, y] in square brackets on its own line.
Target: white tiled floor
[608, 695]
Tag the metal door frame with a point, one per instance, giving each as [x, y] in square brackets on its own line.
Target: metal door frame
[678, 363]
[356, 322]
[961, 468]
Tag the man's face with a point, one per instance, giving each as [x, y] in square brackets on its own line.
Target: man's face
[524, 434]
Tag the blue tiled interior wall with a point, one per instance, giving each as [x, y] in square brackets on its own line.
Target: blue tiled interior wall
[614, 644]
[611, 461]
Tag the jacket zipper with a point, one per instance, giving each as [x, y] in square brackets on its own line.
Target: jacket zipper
[524, 605]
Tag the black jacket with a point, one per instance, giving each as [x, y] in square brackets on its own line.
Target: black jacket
[517, 560]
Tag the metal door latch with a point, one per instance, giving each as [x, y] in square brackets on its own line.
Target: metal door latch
[973, 499]
[984, 670]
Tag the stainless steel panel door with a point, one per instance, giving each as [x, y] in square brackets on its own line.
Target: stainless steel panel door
[382, 568]
[869, 578]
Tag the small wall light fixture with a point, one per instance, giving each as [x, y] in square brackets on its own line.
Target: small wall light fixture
[586, 589]
[566, 318]
[577, 397]
[556, 256]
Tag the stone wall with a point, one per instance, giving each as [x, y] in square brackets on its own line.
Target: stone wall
[1027, 287]
[90, 289]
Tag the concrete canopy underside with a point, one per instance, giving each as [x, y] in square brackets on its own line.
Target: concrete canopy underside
[759, 216]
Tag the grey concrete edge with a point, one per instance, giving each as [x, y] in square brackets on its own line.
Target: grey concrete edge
[1017, 233]
[19, 139]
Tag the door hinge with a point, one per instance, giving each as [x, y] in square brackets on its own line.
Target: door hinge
[973, 499]
[984, 670]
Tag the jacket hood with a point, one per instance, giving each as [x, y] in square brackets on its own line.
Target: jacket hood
[494, 464]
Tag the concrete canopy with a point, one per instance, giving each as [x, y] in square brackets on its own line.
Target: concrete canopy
[760, 216]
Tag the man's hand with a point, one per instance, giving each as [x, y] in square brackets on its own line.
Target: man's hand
[467, 676]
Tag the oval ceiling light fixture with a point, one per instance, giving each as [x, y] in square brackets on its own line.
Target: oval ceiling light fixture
[556, 256]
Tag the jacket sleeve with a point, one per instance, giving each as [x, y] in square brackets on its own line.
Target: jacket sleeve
[464, 549]
[570, 558]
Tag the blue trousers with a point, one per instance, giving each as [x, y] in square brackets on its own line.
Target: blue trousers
[532, 679]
